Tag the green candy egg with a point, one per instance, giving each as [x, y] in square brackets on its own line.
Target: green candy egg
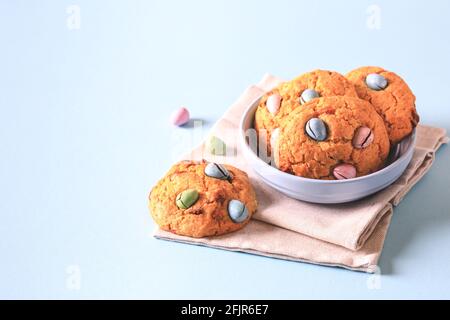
[216, 146]
[187, 198]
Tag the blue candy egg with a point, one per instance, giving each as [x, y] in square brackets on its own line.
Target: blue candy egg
[316, 129]
[237, 211]
[218, 171]
[376, 81]
[308, 95]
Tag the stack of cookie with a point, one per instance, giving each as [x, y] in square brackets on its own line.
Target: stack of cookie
[323, 125]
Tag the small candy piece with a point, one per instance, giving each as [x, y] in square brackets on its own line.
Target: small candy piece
[362, 137]
[274, 146]
[237, 211]
[376, 81]
[273, 103]
[187, 199]
[344, 171]
[308, 95]
[316, 129]
[217, 171]
[274, 137]
[216, 146]
[180, 117]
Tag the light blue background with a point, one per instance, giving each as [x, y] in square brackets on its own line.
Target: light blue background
[84, 135]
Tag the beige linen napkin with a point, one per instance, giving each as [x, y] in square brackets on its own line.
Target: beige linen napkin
[347, 235]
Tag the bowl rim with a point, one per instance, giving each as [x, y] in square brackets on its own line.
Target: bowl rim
[295, 178]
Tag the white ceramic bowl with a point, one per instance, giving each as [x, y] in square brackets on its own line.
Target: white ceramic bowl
[324, 191]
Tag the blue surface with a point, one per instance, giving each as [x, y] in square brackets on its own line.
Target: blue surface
[84, 136]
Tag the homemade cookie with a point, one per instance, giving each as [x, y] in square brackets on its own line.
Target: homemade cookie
[281, 101]
[200, 199]
[391, 97]
[332, 138]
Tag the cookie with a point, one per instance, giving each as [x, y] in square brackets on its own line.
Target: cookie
[391, 97]
[288, 96]
[200, 199]
[332, 138]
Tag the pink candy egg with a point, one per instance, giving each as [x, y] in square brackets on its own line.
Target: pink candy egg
[180, 117]
[273, 103]
[362, 137]
[344, 171]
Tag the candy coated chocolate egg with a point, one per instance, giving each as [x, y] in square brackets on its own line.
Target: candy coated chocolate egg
[187, 198]
[376, 81]
[362, 138]
[216, 146]
[273, 103]
[308, 95]
[316, 129]
[344, 171]
[180, 117]
[237, 211]
[218, 171]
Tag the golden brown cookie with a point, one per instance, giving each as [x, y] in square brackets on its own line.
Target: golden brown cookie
[393, 99]
[332, 138]
[200, 199]
[289, 94]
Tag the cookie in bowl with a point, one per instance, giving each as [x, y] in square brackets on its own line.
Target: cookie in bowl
[281, 101]
[200, 199]
[391, 97]
[328, 138]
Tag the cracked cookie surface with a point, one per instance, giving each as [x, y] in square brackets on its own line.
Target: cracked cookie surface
[208, 216]
[297, 153]
[395, 103]
[325, 83]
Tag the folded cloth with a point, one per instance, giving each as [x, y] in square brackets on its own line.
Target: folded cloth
[347, 235]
